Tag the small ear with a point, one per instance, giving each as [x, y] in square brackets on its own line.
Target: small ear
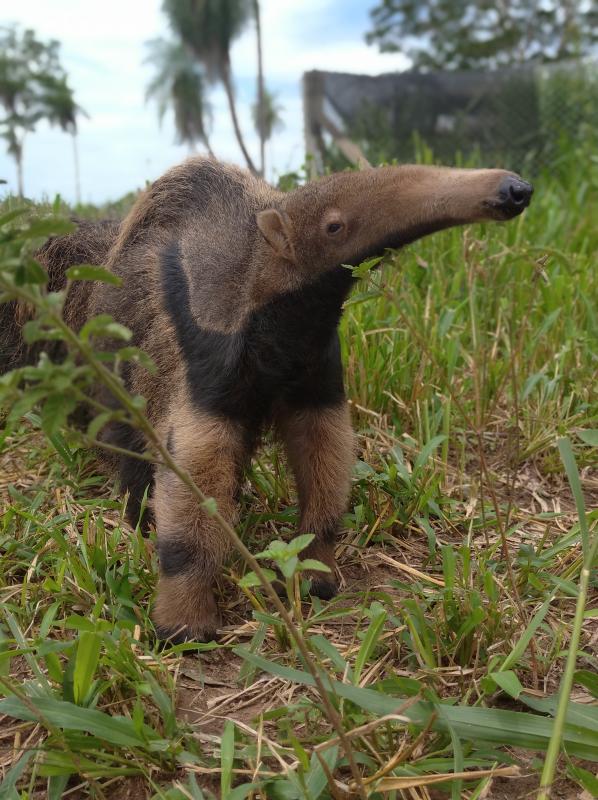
[276, 230]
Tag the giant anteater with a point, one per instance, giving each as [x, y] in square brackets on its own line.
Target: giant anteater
[235, 290]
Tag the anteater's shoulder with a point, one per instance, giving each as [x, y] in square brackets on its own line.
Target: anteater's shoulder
[198, 188]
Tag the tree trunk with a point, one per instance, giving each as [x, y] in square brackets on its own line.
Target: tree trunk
[76, 165]
[16, 148]
[261, 94]
[205, 142]
[228, 86]
[208, 147]
[19, 160]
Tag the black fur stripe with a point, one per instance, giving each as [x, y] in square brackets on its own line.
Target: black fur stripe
[181, 555]
[177, 556]
[136, 475]
[287, 350]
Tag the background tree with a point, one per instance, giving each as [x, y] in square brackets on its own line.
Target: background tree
[179, 84]
[259, 108]
[267, 119]
[208, 28]
[33, 87]
[61, 110]
[483, 34]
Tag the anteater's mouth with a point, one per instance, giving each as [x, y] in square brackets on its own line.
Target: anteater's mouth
[496, 209]
[514, 196]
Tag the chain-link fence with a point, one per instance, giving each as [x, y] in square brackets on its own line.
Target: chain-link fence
[521, 118]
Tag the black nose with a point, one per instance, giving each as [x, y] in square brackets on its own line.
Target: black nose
[514, 195]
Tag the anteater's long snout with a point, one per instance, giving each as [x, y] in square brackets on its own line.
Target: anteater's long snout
[513, 196]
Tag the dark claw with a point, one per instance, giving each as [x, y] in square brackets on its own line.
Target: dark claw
[324, 588]
[170, 636]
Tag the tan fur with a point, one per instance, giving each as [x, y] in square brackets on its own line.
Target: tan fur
[186, 608]
[320, 445]
[213, 452]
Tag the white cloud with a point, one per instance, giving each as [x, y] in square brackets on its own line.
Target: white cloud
[121, 145]
[287, 57]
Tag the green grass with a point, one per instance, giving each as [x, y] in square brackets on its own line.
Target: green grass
[468, 357]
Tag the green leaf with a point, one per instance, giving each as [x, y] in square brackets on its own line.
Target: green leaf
[251, 579]
[56, 785]
[427, 451]
[288, 566]
[312, 563]
[580, 714]
[299, 543]
[104, 325]
[55, 411]
[50, 226]
[369, 643]
[247, 671]
[29, 271]
[210, 506]
[227, 754]
[365, 267]
[116, 730]
[457, 785]
[587, 679]
[56, 763]
[62, 449]
[8, 785]
[98, 422]
[585, 778]
[327, 649]
[589, 436]
[508, 682]
[163, 702]
[316, 780]
[26, 403]
[194, 789]
[285, 553]
[241, 792]
[527, 635]
[79, 623]
[568, 459]
[362, 297]
[12, 214]
[87, 272]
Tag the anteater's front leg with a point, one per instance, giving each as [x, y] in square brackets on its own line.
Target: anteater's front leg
[320, 447]
[191, 545]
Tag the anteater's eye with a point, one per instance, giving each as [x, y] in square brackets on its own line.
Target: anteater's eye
[334, 227]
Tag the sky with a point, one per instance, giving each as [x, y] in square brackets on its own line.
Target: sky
[121, 143]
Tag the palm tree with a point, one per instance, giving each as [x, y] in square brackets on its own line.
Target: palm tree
[179, 83]
[17, 93]
[208, 28]
[33, 86]
[61, 109]
[261, 89]
[267, 119]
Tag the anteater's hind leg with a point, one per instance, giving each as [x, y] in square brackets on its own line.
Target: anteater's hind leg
[320, 448]
[135, 475]
[191, 545]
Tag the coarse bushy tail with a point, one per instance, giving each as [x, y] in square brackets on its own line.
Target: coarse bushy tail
[11, 342]
[89, 244]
